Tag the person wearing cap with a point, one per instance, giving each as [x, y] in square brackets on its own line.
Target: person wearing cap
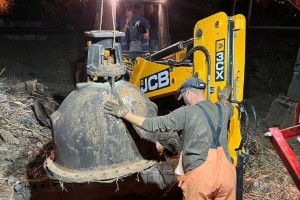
[205, 170]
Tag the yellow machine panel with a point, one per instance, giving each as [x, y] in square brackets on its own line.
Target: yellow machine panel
[224, 38]
[239, 46]
[211, 33]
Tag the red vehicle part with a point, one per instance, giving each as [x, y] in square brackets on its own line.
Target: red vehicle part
[295, 3]
[287, 155]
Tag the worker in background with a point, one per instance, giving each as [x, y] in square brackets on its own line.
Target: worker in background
[136, 28]
[205, 170]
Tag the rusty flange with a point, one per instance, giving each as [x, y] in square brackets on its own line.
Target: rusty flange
[108, 174]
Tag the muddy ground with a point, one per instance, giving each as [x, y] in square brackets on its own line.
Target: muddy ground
[270, 58]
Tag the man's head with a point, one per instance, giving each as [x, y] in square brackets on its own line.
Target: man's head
[192, 91]
[129, 13]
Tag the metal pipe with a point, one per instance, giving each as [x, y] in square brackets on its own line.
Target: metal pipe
[167, 51]
[275, 27]
[249, 12]
[104, 14]
[163, 26]
[179, 46]
[188, 42]
[233, 9]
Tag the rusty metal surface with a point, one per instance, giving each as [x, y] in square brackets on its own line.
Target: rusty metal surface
[149, 184]
[161, 173]
[110, 71]
[108, 175]
[140, 105]
[102, 66]
[170, 141]
[88, 141]
[282, 113]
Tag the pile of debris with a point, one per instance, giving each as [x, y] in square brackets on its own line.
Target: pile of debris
[24, 141]
[265, 174]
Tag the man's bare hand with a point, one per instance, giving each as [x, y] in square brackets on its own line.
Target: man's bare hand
[146, 36]
[127, 21]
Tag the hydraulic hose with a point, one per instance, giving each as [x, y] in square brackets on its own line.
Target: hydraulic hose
[255, 123]
[185, 61]
[242, 109]
[245, 143]
[179, 46]
[247, 135]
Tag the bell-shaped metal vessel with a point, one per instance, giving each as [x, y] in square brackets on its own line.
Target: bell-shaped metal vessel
[92, 146]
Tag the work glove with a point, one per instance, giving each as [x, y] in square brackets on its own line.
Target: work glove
[225, 93]
[117, 110]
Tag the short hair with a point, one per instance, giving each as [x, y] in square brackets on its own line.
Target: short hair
[195, 90]
[129, 9]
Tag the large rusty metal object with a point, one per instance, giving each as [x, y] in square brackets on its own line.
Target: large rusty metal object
[93, 146]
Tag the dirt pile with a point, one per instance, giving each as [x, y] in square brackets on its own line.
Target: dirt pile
[265, 175]
[24, 142]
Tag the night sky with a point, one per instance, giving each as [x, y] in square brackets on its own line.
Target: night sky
[183, 13]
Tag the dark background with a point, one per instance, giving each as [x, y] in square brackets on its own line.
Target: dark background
[80, 14]
[44, 39]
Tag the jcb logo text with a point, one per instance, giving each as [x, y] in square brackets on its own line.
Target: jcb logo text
[219, 70]
[155, 81]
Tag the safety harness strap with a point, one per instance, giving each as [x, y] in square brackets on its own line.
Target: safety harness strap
[215, 132]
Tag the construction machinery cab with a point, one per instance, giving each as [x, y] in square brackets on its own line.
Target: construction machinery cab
[108, 15]
[155, 11]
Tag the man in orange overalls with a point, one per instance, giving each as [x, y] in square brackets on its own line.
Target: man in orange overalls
[207, 171]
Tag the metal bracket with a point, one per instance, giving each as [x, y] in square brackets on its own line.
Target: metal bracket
[285, 152]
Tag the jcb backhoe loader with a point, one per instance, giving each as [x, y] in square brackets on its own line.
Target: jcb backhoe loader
[90, 146]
